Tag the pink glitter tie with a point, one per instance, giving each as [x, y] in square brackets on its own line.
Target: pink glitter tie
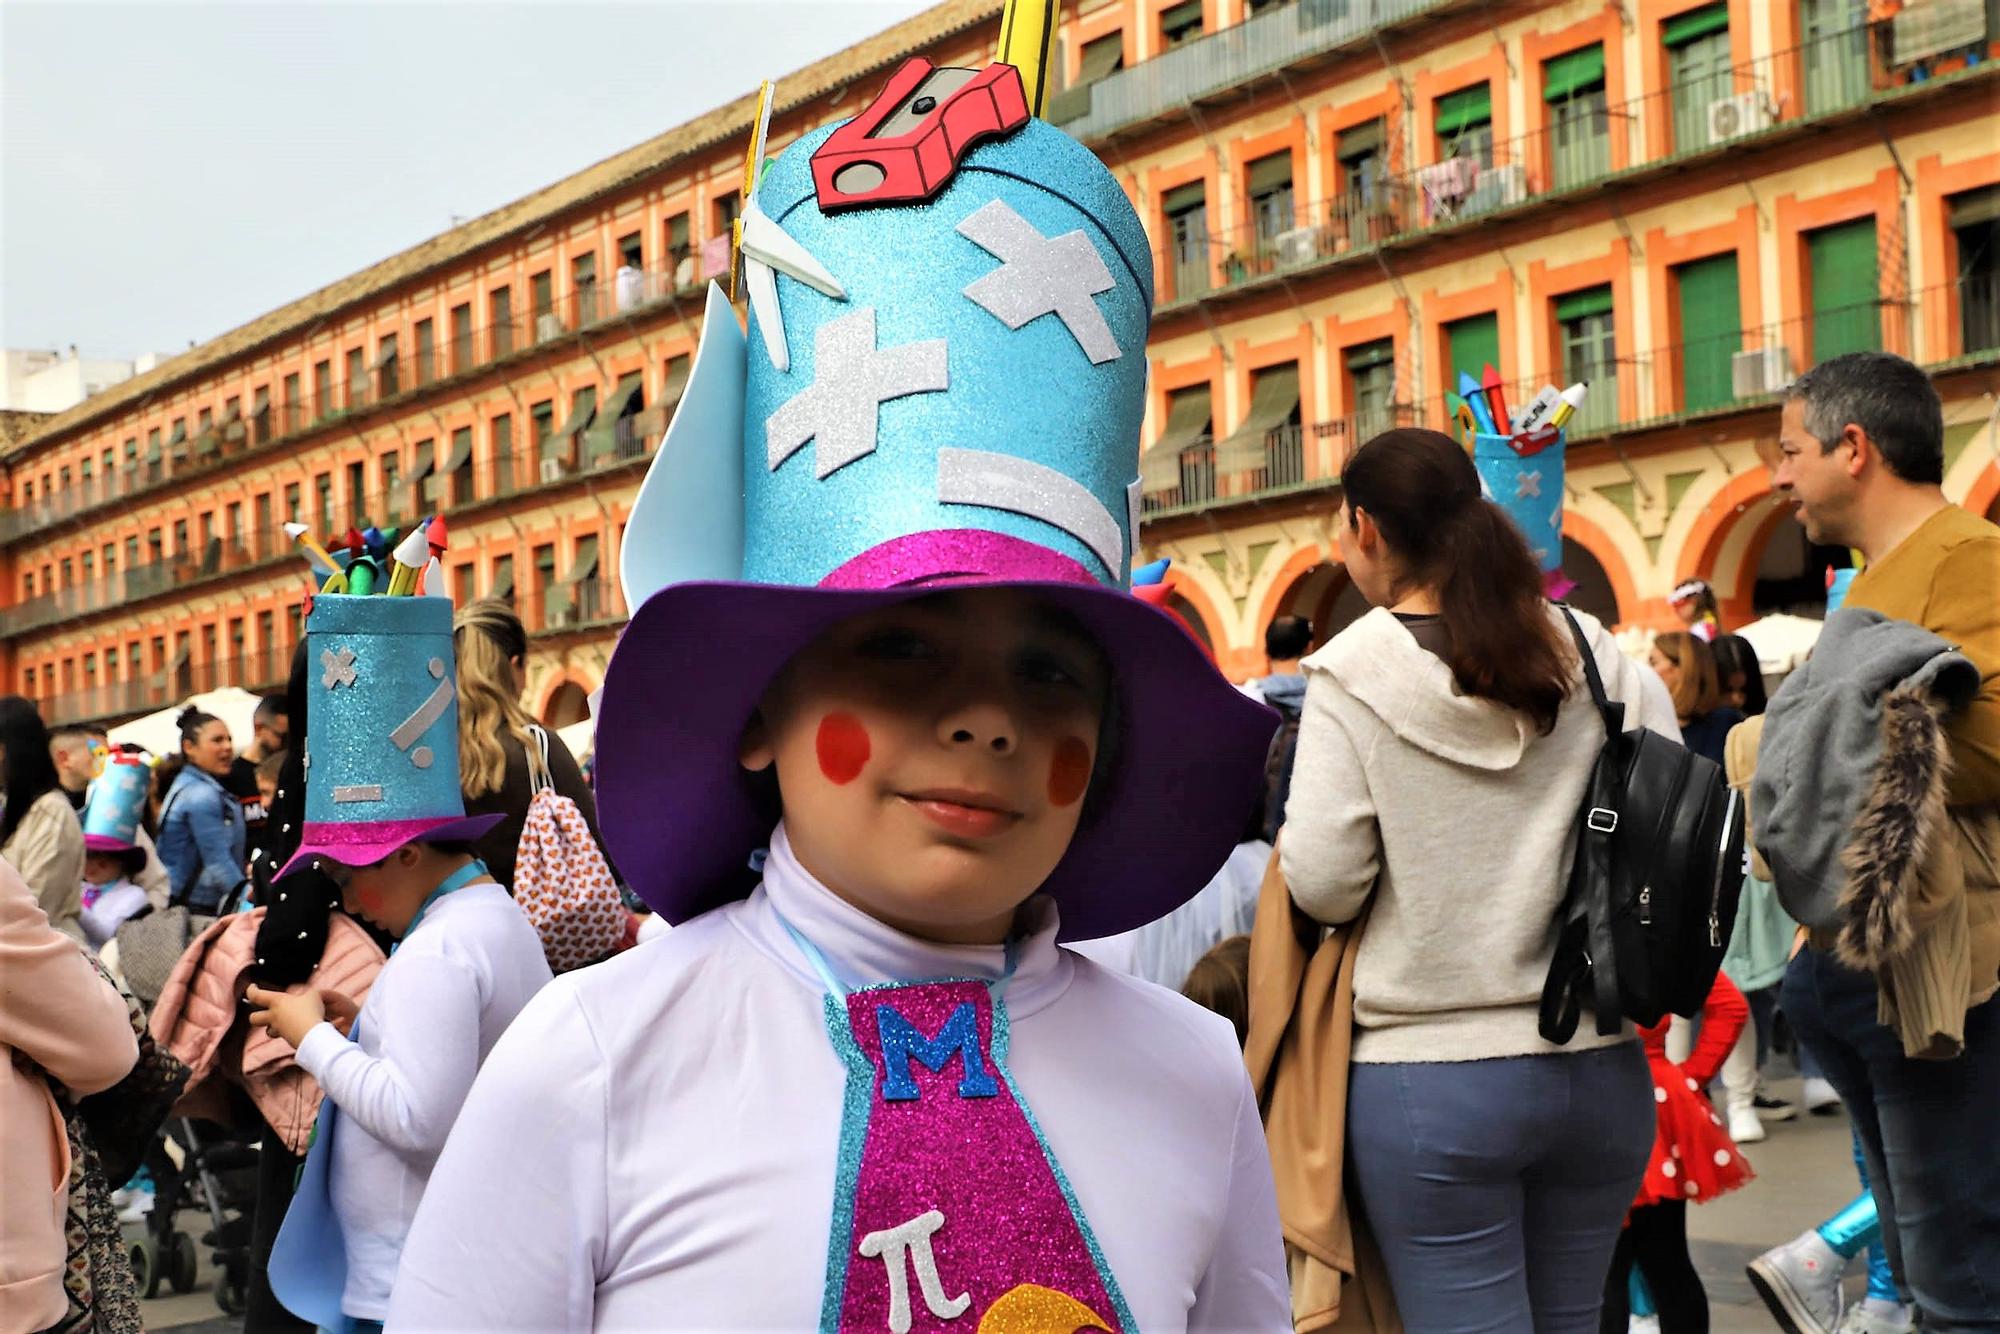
[950, 1213]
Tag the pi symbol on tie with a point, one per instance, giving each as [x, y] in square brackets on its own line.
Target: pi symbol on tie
[428, 712]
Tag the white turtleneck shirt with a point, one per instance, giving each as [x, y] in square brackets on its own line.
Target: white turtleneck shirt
[652, 1145]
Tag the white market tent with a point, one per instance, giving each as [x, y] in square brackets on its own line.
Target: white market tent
[1782, 641]
[158, 733]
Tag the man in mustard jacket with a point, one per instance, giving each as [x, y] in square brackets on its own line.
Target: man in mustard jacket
[1911, 1036]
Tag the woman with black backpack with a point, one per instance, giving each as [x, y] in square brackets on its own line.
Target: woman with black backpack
[1447, 742]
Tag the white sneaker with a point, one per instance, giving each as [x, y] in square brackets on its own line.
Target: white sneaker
[1872, 1317]
[1820, 1098]
[1744, 1126]
[1800, 1282]
[136, 1207]
[1644, 1324]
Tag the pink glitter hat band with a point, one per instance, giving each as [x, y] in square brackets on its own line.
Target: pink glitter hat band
[106, 843]
[957, 556]
[364, 842]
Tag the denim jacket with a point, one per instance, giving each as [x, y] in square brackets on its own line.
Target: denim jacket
[201, 840]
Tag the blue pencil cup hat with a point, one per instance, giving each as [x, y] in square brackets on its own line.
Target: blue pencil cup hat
[117, 800]
[942, 385]
[381, 758]
[1529, 488]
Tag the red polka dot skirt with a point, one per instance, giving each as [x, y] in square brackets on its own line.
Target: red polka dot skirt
[1693, 1157]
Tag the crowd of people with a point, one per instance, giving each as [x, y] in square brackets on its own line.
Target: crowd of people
[830, 1060]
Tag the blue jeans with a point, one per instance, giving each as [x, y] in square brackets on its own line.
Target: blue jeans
[1926, 1130]
[1496, 1189]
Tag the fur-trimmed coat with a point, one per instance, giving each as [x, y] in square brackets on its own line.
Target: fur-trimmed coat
[1850, 813]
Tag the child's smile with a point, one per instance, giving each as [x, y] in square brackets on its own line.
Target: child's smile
[933, 757]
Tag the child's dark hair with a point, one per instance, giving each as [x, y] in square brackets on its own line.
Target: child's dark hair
[131, 861]
[1220, 981]
[271, 766]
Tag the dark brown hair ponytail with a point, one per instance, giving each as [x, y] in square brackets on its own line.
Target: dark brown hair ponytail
[1423, 493]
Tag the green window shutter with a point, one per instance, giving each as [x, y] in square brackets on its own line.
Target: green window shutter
[1356, 140]
[1474, 344]
[1846, 309]
[1695, 24]
[1973, 207]
[1572, 72]
[1269, 173]
[1467, 106]
[1711, 330]
[1182, 198]
[1366, 356]
[1579, 305]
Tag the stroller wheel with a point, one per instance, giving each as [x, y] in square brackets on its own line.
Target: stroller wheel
[232, 1290]
[181, 1266]
[146, 1266]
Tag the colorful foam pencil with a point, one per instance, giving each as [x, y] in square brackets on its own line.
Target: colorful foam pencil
[1572, 399]
[1496, 400]
[361, 577]
[411, 553]
[299, 534]
[435, 536]
[1474, 395]
[431, 582]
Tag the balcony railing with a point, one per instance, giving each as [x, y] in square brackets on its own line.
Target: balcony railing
[503, 473]
[1832, 74]
[1747, 367]
[1225, 61]
[567, 605]
[254, 671]
[277, 424]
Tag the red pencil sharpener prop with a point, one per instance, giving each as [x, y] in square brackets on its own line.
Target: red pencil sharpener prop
[907, 145]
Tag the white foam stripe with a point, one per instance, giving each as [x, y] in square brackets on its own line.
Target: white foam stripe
[1020, 486]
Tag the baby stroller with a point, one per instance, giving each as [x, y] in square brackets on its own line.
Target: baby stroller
[217, 1173]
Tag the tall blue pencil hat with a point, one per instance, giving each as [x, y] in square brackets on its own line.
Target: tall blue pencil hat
[117, 800]
[381, 757]
[943, 384]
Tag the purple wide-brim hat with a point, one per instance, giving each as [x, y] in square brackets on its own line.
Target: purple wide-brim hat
[106, 843]
[682, 817]
[365, 842]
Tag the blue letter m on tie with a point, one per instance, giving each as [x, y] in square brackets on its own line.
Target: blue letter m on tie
[901, 1040]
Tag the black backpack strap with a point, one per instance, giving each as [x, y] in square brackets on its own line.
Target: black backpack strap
[1613, 714]
[1585, 955]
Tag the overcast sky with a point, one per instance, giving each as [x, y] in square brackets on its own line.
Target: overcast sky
[169, 171]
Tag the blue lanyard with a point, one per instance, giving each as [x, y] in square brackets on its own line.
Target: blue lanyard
[458, 879]
[998, 986]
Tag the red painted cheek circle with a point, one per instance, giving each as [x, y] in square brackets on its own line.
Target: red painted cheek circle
[843, 747]
[1069, 771]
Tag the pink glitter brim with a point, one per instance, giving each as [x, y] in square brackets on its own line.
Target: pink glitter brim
[365, 842]
[106, 843]
[957, 556]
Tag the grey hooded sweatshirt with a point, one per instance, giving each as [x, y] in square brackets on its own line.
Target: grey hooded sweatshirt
[1452, 819]
[1823, 739]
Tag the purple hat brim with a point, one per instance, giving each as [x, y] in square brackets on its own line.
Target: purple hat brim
[682, 817]
[106, 843]
[364, 842]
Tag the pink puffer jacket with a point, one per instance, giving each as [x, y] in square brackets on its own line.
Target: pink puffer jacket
[200, 1011]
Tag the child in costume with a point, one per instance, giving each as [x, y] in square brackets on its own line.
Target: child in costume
[113, 856]
[384, 820]
[870, 1091]
[1694, 1160]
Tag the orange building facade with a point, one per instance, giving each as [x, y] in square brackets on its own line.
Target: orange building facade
[1682, 203]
